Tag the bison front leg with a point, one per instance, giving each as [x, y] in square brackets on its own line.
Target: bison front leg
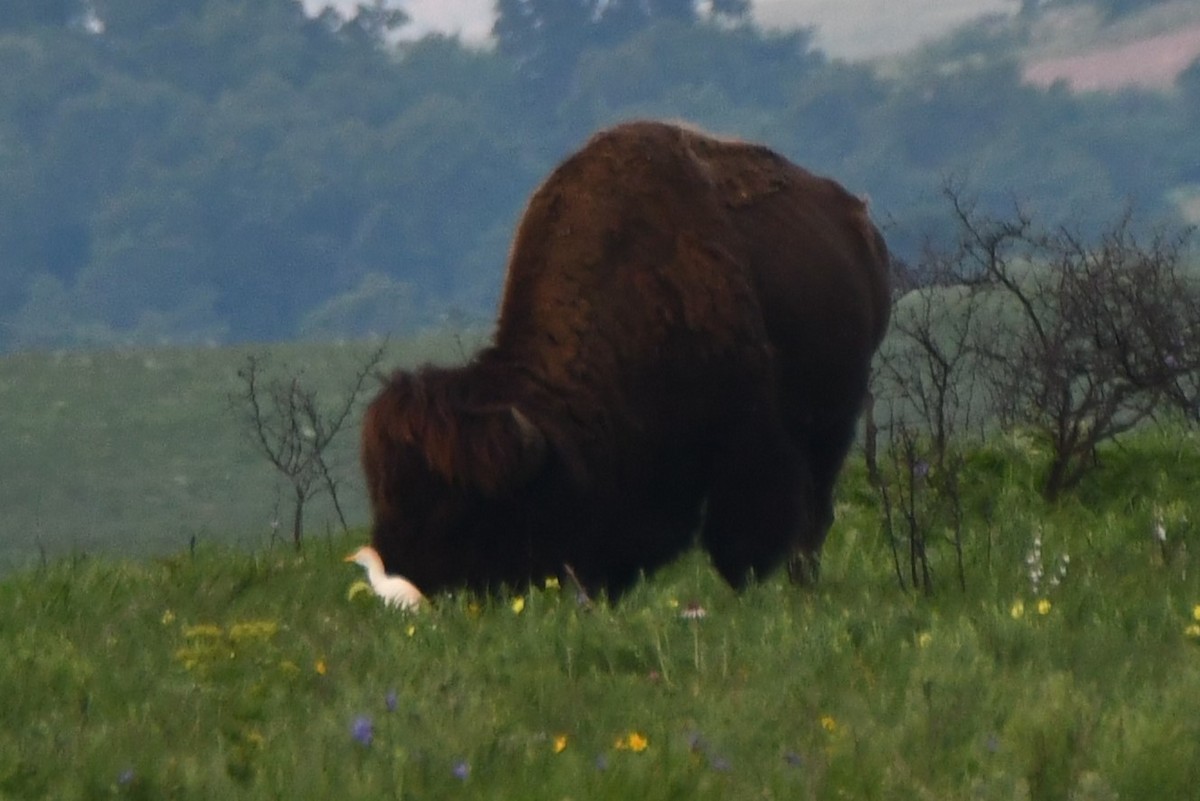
[758, 506]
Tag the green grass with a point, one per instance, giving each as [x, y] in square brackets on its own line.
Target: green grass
[228, 672]
[189, 655]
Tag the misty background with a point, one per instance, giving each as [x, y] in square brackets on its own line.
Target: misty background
[224, 171]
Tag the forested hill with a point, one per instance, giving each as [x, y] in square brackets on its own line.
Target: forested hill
[230, 170]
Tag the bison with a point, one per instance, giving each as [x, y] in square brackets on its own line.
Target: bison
[683, 346]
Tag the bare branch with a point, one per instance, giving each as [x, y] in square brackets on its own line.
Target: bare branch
[293, 432]
[1096, 334]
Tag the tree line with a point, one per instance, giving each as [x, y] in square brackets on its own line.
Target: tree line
[232, 170]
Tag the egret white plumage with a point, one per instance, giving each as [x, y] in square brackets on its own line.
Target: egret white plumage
[394, 590]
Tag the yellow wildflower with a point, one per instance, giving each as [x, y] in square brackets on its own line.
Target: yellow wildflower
[924, 639]
[188, 657]
[1196, 613]
[634, 741]
[518, 604]
[320, 667]
[560, 743]
[1018, 610]
[1043, 607]
[202, 631]
[253, 630]
[552, 583]
[474, 609]
[168, 617]
[828, 723]
[411, 630]
[1193, 630]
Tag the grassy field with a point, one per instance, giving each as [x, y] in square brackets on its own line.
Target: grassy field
[140, 451]
[262, 673]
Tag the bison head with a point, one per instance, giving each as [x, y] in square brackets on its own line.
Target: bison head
[444, 469]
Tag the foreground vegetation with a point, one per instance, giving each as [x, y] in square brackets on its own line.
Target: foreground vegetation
[1069, 668]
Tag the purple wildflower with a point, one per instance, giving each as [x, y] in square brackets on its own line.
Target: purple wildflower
[720, 764]
[363, 730]
[793, 759]
[601, 763]
[126, 777]
[462, 770]
[390, 700]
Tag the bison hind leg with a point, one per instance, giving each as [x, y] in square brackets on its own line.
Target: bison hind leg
[825, 448]
[757, 507]
[804, 567]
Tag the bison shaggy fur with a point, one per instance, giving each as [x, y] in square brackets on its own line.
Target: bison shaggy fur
[683, 346]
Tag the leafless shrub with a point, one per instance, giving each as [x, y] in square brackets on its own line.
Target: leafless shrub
[925, 378]
[293, 430]
[1083, 340]
[1072, 340]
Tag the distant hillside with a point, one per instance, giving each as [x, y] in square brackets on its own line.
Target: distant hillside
[1149, 50]
[1151, 63]
[141, 451]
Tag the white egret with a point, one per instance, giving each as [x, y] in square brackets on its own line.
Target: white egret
[394, 590]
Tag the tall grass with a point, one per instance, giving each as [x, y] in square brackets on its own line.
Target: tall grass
[264, 674]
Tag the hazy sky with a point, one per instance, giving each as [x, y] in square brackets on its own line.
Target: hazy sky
[845, 28]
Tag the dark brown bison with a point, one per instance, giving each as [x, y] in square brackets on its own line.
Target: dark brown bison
[683, 345]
